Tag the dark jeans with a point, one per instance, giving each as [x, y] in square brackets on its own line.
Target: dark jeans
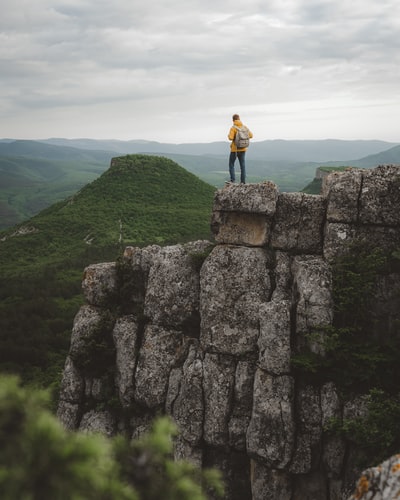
[240, 155]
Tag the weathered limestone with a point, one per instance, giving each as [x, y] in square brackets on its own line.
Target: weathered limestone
[172, 294]
[242, 214]
[185, 401]
[98, 421]
[100, 283]
[125, 335]
[218, 373]
[274, 339]
[309, 431]
[314, 304]
[205, 333]
[160, 351]
[381, 482]
[380, 196]
[269, 484]
[242, 402]
[298, 223]
[251, 198]
[234, 283]
[270, 434]
[343, 190]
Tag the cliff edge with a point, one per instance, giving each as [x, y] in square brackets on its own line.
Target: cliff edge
[205, 332]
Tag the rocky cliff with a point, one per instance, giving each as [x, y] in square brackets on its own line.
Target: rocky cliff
[205, 333]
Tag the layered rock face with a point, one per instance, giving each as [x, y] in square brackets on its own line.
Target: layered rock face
[205, 332]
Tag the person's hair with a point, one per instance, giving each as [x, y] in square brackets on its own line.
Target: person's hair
[235, 117]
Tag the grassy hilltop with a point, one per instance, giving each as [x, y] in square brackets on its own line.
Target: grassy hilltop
[139, 200]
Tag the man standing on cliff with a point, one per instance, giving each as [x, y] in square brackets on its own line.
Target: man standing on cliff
[236, 150]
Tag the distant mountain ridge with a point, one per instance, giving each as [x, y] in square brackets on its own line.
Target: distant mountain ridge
[389, 156]
[37, 149]
[270, 150]
[35, 174]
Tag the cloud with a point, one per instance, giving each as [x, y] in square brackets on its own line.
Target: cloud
[95, 68]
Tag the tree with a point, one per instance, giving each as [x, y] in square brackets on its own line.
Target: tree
[40, 460]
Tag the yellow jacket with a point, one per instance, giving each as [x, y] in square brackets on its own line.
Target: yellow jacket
[232, 134]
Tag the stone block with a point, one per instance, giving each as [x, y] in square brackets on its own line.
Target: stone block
[271, 431]
[337, 240]
[274, 340]
[242, 404]
[342, 190]
[308, 431]
[172, 295]
[234, 282]
[312, 286]
[257, 198]
[100, 283]
[235, 228]
[185, 401]
[160, 351]
[269, 484]
[298, 223]
[125, 335]
[218, 383]
[380, 196]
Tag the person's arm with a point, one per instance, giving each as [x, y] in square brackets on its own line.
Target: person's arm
[232, 133]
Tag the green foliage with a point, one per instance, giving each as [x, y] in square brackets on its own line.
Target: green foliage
[39, 459]
[148, 464]
[140, 200]
[376, 435]
[314, 187]
[354, 357]
[354, 360]
[354, 278]
[30, 184]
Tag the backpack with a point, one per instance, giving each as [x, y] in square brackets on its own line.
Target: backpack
[242, 139]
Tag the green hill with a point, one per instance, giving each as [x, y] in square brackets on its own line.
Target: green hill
[139, 200]
[35, 175]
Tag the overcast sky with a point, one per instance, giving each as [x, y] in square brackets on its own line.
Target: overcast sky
[176, 70]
